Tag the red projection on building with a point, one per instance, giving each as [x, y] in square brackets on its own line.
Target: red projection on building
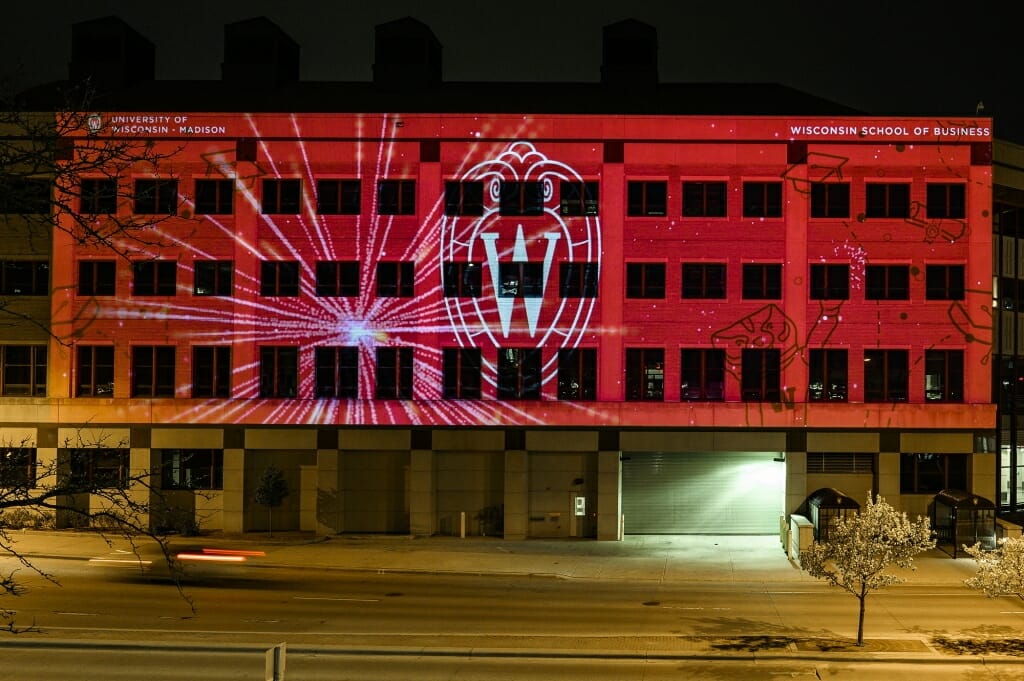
[533, 270]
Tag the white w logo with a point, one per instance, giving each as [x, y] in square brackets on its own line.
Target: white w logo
[506, 300]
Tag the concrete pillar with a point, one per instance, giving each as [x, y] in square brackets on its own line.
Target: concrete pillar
[796, 481]
[983, 475]
[889, 478]
[329, 517]
[307, 497]
[609, 496]
[234, 490]
[422, 493]
[139, 467]
[517, 494]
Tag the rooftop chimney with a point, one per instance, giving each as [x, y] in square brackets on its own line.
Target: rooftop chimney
[258, 53]
[406, 53]
[630, 54]
[110, 54]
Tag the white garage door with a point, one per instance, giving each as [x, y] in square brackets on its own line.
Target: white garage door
[703, 492]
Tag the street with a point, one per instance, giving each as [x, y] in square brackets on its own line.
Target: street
[405, 626]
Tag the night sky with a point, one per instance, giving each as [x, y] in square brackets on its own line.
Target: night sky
[933, 59]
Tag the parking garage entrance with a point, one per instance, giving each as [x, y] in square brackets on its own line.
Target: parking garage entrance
[702, 492]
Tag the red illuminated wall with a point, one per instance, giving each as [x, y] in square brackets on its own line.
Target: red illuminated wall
[433, 149]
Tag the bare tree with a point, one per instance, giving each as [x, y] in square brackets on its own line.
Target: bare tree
[64, 169]
[46, 154]
[861, 547]
[1000, 572]
[88, 485]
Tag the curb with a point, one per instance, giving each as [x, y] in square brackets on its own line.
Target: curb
[499, 653]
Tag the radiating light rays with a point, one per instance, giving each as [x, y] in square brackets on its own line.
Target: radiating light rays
[248, 320]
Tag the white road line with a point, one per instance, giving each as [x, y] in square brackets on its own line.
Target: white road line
[331, 598]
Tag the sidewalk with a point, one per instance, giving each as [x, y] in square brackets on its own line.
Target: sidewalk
[717, 558]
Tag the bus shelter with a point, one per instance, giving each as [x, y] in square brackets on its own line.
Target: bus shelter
[824, 508]
[961, 519]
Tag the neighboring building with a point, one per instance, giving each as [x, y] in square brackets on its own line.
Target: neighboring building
[1008, 341]
[561, 310]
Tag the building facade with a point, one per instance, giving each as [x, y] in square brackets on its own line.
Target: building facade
[527, 324]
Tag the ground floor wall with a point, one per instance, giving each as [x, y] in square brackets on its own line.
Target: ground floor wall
[519, 483]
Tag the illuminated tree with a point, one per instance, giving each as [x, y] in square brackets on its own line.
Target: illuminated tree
[271, 492]
[861, 547]
[1000, 572]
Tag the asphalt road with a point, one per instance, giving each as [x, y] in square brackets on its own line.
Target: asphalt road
[117, 623]
[316, 606]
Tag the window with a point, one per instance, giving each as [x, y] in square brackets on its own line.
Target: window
[24, 277]
[827, 376]
[577, 374]
[578, 279]
[944, 375]
[192, 469]
[704, 280]
[215, 197]
[645, 280]
[762, 199]
[97, 277]
[99, 468]
[24, 195]
[98, 196]
[211, 371]
[396, 197]
[762, 281]
[885, 375]
[840, 462]
[647, 198]
[521, 280]
[944, 282]
[886, 200]
[1009, 291]
[394, 374]
[279, 371]
[705, 199]
[931, 473]
[337, 372]
[702, 374]
[279, 278]
[946, 200]
[395, 279]
[462, 279]
[337, 278]
[519, 373]
[761, 371]
[95, 371]
[578, 198]
[281, 197]
[153, 371]
[17, 467]
[521, 198]
[23, 370]
[156, 196]
[645, 374]
[213, 277]
[338, 197]
[154, 277]
[830, 282]
[830, 200]
[887, 282]
[461, 373]
[464, 198]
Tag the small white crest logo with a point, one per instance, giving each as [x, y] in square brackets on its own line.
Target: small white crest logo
[94, 122]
